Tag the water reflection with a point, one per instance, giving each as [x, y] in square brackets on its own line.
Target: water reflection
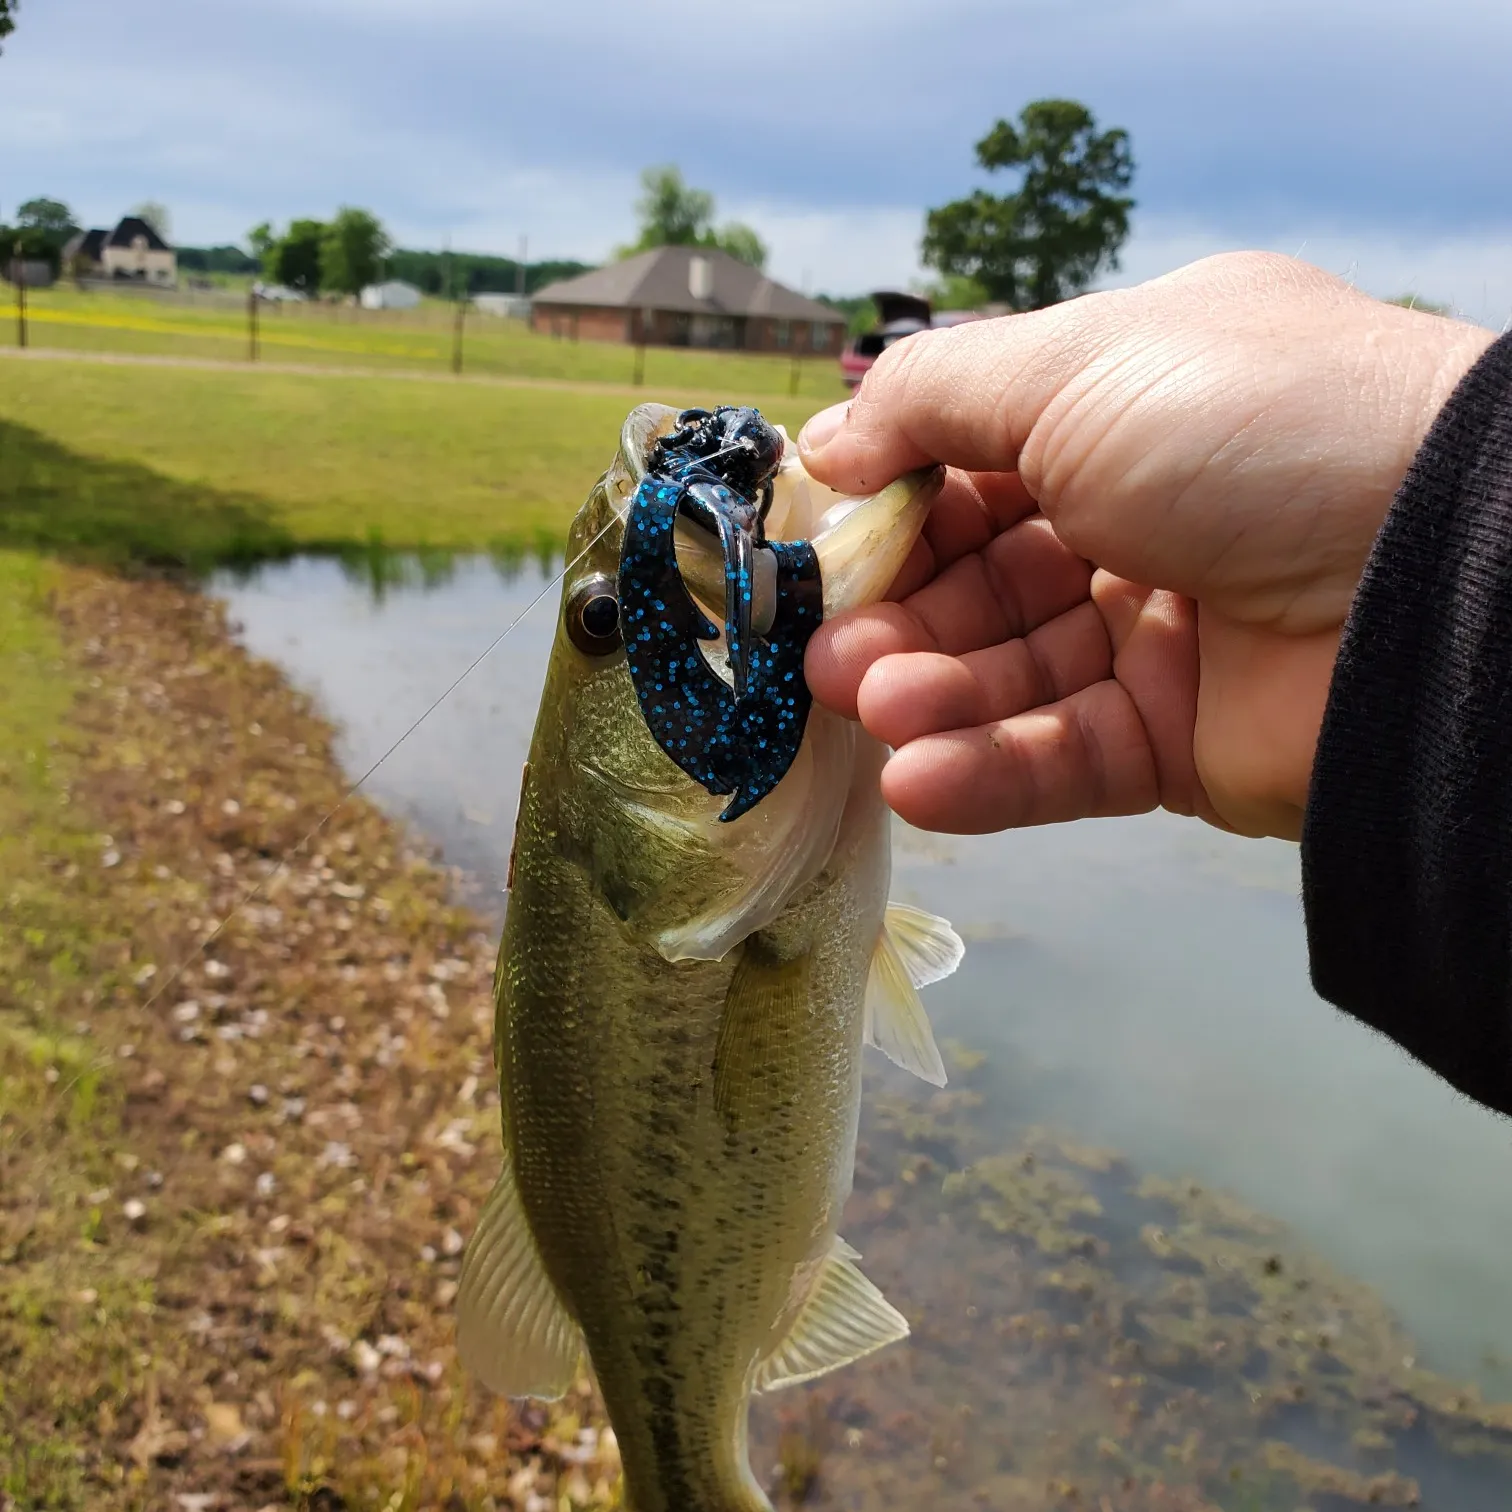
[381, 570]
[1139, 985]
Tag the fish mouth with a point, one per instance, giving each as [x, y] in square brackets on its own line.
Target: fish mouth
[727, 570]
[862, 540]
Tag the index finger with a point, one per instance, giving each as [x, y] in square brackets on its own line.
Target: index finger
[967, 396]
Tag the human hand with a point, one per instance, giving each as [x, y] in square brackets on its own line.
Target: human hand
[1131, 590]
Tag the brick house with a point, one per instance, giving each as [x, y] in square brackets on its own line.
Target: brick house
[132, 251]
[687, 296]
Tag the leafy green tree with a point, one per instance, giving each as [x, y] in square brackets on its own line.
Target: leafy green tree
[8, 9]
[42, 228]
[671, 214]
[262, 241]
[1062, 227]
[674, 215]
[352, 251]
[156, 215]
[955, 291]
[742, 243]
[47, 218]
[860, 313]
[294, 259]
[1413, 302]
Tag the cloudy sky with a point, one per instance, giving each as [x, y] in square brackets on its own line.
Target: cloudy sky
[1371, 136]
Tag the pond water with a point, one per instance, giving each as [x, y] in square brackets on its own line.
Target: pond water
[1136, 985]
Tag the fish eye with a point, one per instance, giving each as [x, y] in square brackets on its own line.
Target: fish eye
[593, 618]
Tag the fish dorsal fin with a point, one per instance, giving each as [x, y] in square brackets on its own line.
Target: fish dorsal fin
[844, 1319]
[914, 949]
[512, 1331]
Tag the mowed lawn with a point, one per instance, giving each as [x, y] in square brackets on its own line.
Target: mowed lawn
[420, 340]
[121, 463]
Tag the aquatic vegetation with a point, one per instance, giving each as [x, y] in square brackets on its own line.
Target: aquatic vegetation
[1084, 1336]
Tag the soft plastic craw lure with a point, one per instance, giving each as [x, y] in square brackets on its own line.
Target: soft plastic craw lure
[716, 470]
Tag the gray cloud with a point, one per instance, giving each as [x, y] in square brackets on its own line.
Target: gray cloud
[1255, 120]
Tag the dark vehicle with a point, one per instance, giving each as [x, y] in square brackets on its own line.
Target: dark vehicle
[898, 315]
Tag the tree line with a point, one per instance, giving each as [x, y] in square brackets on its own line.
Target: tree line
[350, 251]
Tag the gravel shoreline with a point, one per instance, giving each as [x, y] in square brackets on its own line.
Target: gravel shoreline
[228, 1284]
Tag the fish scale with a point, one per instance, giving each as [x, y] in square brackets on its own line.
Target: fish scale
[679, 1127]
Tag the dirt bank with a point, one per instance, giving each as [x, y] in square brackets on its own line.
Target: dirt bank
[232, 1201]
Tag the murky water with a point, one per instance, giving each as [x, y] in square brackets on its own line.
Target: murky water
[1134, 984]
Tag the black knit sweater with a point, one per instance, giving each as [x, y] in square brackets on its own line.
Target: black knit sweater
[1407, 841]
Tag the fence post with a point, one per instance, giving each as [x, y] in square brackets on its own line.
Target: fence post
[251, 325]
[457, 337]
[18, 267]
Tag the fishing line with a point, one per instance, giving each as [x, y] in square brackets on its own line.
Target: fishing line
[282, 867]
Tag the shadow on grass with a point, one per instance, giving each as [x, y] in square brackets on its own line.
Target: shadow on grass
[123, 515]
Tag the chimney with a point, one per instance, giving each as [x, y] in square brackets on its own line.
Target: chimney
[700, 277]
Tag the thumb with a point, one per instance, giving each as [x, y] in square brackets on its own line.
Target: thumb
[967, 396]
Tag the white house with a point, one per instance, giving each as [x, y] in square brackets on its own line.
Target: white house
[512, 306]
[393, 295]
[132, 251]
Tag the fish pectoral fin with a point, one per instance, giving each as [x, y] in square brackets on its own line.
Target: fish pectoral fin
[930, 948]
[844, 1319]
[512, 1331]
[914, 948]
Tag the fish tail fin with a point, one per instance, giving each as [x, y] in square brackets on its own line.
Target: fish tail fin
[914, 949]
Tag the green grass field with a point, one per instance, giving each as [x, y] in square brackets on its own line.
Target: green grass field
[420, 340]
[178, 466]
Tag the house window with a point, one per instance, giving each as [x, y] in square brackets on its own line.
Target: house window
[784, 334]
[817, 341]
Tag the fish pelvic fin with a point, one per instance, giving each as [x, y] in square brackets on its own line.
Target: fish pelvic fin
[844, 1319]
[914, 949]
[513, 1332]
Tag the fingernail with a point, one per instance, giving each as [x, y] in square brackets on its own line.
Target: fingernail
[821, 429]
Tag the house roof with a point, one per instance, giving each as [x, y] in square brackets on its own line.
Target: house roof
[85, 244]
[131, 227]
[661, 280]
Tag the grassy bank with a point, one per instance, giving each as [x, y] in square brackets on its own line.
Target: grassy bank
[418, 340]
[229, 1203]
[171, 465]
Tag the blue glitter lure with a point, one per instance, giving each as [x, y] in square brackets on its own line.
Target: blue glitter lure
[717, 469]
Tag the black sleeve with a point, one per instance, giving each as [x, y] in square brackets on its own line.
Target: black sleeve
[1407, 839]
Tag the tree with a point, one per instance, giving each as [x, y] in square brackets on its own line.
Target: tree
[1062, 227]
[352, 251]
[262, 242]
[48, 218]
[742, 243]
[156, 215]
[955, 291]
[8, 9]
[42, 228]
[294, 259]
[1413, 302]
[673, 215]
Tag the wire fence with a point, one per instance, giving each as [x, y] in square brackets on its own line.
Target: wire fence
[436, 336]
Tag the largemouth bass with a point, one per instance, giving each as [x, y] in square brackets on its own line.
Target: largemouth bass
[682, 1002]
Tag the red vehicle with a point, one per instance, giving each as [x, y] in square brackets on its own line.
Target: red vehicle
[898, 315]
